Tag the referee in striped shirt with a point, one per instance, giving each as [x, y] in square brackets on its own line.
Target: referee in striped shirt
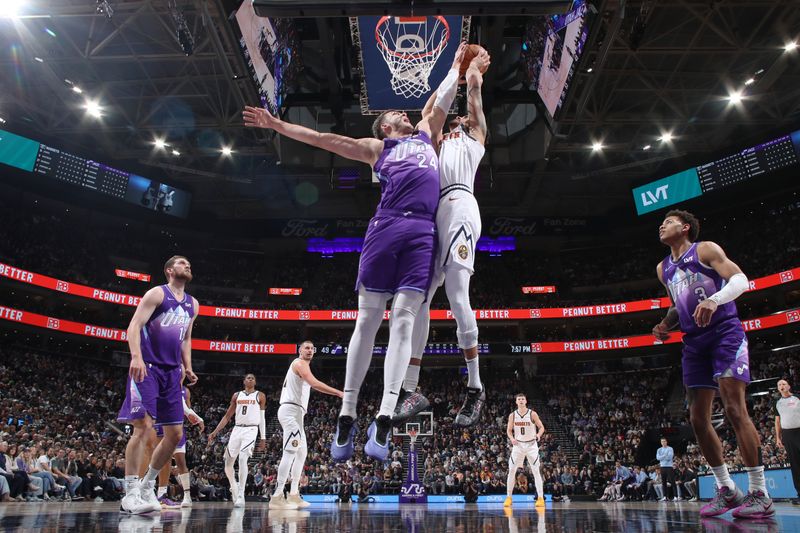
[787, 430]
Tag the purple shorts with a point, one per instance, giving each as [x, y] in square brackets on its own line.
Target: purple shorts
[720, 352]
[160, 433]
[398, 253]
[158, 395]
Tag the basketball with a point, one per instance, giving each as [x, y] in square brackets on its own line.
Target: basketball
[472, 51]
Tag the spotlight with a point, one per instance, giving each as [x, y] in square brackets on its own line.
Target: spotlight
[597, 146]
[735, 97]
[2, 120]
[665, 137]
[39, 59]
[646, 147]
[589, 69]
[226, 151]
[750, 81]
[77, 89]
[10, 8]
[175, 152]
[93, 108]
[159, 144]
[788, 47]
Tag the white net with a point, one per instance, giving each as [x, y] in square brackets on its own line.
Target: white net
[411, 47]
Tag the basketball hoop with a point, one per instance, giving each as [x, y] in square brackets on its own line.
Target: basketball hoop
[411, 46]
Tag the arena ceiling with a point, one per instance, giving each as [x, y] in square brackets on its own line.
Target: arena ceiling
[651, 68]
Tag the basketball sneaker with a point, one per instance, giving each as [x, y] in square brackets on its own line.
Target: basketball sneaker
[509, 502]
[471, 410]
[187, 499]
[409, 404]
[281, 503]
[297, 500]
[540, 502]
[342, 445]
[131, 503]
[377, 445]
[755, 505]
[147, 495]
[724, 500]
[167, 503]
[239, 501]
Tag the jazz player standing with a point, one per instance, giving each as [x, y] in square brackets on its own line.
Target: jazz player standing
[458, 222]
[294, 403]
[703, 284]
[524, 431]
[160, 339]
[397, 258]
[248, 405]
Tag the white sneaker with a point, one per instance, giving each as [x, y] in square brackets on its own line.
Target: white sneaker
[148, 496]
[663, 499]
[297, 500]
[239, 502]
[234, 491]
[133, 504]
[187, 500]
[279, 502]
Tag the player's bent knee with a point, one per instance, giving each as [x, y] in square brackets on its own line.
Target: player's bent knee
[467, 339]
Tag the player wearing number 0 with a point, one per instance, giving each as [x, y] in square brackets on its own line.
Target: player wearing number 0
[524, 430]
[398, 255]
[248, 405]
[703, 284]
[458, 222]
[160, 340]
[294, 402]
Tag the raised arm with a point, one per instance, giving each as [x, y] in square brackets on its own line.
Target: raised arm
[225, 419]
[435, 115]
[477, 119]
[302, 369]
[367, 150]
[144, 310]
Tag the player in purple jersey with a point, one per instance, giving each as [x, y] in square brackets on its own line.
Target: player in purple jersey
[398, 254]
[703, 283]
[159, 338]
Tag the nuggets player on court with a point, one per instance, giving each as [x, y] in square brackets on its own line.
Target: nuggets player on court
[397, 259]
[524, 431]
[703, 284]
[458, 222]
[248, 406]
[160, 340]
[294, 403]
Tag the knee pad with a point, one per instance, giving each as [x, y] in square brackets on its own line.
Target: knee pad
[467, 339]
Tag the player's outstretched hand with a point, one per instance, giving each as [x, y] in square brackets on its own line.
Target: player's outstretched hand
[258, 117]
[481, 61]
[137, 370]
[703, 312]
[661, 332]
[459, 57]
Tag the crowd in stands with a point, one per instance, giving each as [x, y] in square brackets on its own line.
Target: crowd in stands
[58, 438]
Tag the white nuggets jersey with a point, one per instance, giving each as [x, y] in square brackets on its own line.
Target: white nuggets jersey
[459, 156]
[295, 389]
[248, 412]
[524, 428]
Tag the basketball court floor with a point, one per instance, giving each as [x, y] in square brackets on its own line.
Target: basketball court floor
[379, 518]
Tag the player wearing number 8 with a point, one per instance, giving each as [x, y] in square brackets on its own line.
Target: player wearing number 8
[524, 431]
[703, 283]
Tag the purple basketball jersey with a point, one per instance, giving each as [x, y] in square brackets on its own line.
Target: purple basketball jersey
[163, 334]
[408, 170]
[689, 283]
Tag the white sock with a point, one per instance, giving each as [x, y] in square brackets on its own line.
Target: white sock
[511, 480]
[185, 481]
[755, 474]
[284, 468]
[722, 476]
[412, 378]
[405, 307]
[151, 474]
[161, 491]
[473, 368]
[131, 483]
[297, 468]
[242, 472]
[359, 353]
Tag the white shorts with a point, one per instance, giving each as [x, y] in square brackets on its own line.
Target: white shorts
[521, 450]
[458, 222]
[243, 440]
[290, 417]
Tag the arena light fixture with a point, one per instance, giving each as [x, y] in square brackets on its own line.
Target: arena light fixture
[93, 108]
[159, 144]
[597, 146]
[39, 59]
[735, 97]
[76, 89]
[791, 45]
[2, 120]
[175, 152]
[750, 81]
[666, 137]
[226, 151]
[10, 8]
[646, 147]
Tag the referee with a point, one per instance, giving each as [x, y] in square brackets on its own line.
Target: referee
[787, 430]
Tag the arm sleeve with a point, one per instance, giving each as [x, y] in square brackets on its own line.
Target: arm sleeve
[262, 424]
[446, 92]
[732, 290]
[188, 411]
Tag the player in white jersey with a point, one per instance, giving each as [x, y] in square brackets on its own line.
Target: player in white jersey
[524, 431]
[458, 222]
[248, 406]
[294, 402]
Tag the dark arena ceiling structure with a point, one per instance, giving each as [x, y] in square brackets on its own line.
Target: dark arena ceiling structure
[659, 86]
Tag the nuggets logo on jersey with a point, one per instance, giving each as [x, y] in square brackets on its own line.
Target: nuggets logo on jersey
[463, 252]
